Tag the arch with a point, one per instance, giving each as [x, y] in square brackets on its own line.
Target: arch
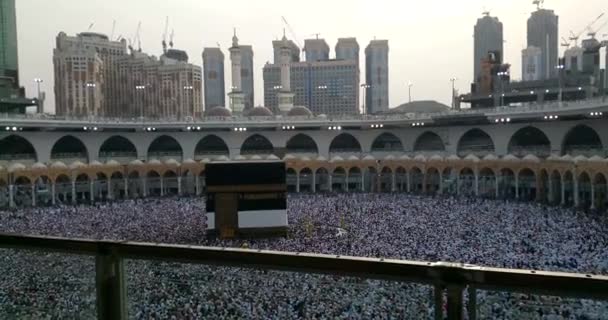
[165, 147]
[17, 148]
[449, 180]
[568, 185]
[416, 180]
[432, 181]
[170, 185]
[601, 191]
[584, 190]
[387, 142]
[506, 184]
[354, 179]
[476, 142]
[257, 144]
[338, 179]
[153, 183]
[555, 190]
[429, 142]
[466, 182]
[117, 147]
[211, 145]
[401, 179]
[69, 149]
[345, 143]
[386, 179]
[529, 140]
[527, 188]
[582, 140]
[301, 143]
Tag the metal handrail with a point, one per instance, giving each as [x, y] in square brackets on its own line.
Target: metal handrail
[110, 277]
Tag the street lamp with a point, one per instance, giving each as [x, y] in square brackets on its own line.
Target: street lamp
[409, 89]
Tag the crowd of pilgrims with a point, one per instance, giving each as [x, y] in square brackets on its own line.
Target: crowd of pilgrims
[38, 285]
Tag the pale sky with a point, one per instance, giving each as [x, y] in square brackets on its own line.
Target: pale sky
[430, 41]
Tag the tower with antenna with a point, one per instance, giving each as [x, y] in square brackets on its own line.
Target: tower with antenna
[543, 33]
[488, 37]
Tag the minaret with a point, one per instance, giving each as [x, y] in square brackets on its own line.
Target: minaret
[236, 95]
[285, 95]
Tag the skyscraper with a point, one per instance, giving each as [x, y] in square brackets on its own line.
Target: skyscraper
[347, 49]
[543, 27]
[9, 64]
[530, 66]
[488, 36]
[376, 75]
[247, 75]
[213, 68]
[316, 50]
[277, 45]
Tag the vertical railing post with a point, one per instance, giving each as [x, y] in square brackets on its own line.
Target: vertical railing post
[455, 305]
[472, 305]
[110, 284]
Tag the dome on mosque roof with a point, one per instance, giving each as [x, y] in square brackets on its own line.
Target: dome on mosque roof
[423, 106]
[112, 163]
[299, 111]
[155, 161]
[531, 158]
[353, 158]
[136, 163]
[16, 167]
[510, 157]
[39, 166]
[77, 164]
[58, 165]
[453, 157]
[369, 157]
[259, 111]
[218, 112]
[490, 157]
[436, 158]
[172, 162]
[189, 161]
[272, 157]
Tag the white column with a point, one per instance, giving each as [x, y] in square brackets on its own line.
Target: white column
[197, 185]
[346, 182]
[409, 180]
[329, 178]
[550, 192]
[393, 182]
[11, 196]
[53, 200]
[145, 185]
[73, 191]
[592, 195]
[297, 182]
[517, 186]
[126, 188]
[33, 195]
[162, 187]
[314, 182]
[458, 184]
[476, 184]
[497, 186]
[179, 185]
[110, 195]
[92, 191]
[440, 191]
[576, 195]
[362, 180]
[563, 202]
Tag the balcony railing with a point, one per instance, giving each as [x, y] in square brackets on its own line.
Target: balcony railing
[447, 279]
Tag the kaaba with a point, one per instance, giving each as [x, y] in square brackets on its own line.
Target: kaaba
[246, 198]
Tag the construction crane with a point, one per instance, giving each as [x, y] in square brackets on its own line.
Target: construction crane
[538, 3]
[592, 33]
[565, 43]
[291, 32]
[575, 37]
[91, 26]
[171, 38]
[165, 35]
[316, 35]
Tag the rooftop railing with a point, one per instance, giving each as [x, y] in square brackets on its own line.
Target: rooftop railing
[448, 280]
[548, 107]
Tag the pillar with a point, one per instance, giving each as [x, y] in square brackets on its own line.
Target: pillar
[91, 191]
[314, 182]
[345, 182]
[126, 188]
[440, 191]
[517, 186]
[540, 189]
[362, 180]
[298, 182]
[11, 196]
[497, 186]
[576, 195]
[592, 195]
[424, 180]
[179, 185]
[393, 181]
[33, 195]
[563, 202]
[145, 184]
[476, 184]
[458, 184]
[162, 186]
[329, 178]
[197, 185]
[409, 185]
[550, 191]
[110, 195]
[53, 200]
[73, 192]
